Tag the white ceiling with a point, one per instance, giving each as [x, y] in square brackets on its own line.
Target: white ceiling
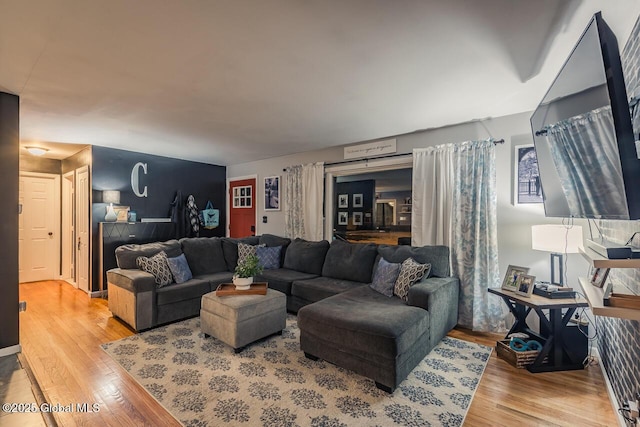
[226, 82]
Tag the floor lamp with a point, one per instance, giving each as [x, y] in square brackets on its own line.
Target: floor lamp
[559, 240]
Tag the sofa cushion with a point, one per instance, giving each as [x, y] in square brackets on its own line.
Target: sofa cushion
[230, 249]
[179, 268]
[216, 279]
[305, 256]
[410, 273]
[157, 265]
[282, 278]
[320, 288]
[188, 290]
[204, 254]
[364, 322]
[271, 240]
[126, 255]
[350, 261]
[437, 256]
[385, 276]
[269, 257]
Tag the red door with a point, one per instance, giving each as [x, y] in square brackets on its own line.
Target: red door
[242, 208]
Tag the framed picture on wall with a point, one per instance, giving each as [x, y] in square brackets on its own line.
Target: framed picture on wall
[357, 200]
[343, 218]
[526, 181]
[272, 193]
[343, 201]
[357, 218]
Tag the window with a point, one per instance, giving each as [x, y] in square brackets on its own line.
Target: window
[242, 197]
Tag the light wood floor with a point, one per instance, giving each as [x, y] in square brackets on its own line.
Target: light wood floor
[62, 330]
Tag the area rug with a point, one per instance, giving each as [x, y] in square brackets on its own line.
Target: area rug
[202, 382]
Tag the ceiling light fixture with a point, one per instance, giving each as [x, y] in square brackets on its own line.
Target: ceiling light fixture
[36, 151]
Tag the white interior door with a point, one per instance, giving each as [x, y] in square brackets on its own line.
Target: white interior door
[38, 227]
[82, 228]
[68, 229]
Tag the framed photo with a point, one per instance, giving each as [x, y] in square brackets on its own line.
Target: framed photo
[599, 276]
[122, 212]
[511, 278]
[272, 193]
[526, 185]
[343, 201]
[357, 200]
[343, 218]
[357, 218]
[525, 285]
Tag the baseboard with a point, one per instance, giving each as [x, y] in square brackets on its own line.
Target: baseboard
[98, 294]
[612, 396]
[8, 351]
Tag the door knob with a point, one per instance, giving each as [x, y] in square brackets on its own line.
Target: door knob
[50, 233]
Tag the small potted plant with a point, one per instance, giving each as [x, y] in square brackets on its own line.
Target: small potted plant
[245, 270]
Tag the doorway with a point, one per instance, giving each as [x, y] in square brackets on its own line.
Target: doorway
[68, 229]
[39, 227]
[242, 207]
[82, 224]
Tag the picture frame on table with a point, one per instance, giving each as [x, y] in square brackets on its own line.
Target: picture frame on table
[122, 213]
[357, 218]
[343, 201]
[599, 276]
[525, 285]
[357, 200]
[343, 218]
[526, 177]
[272, 193]
[511, 277]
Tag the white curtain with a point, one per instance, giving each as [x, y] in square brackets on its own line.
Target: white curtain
[454, 196]
[304, 192]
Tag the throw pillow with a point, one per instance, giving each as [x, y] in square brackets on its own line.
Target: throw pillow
[156, 265]
[269, 257]
[385, 276]
[410, 272]
[180, 268]
[245, 250]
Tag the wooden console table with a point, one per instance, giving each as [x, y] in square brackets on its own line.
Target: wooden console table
[560, 354]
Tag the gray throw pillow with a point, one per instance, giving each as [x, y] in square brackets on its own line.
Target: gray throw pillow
[385, 276]
[269, 257]
[180, 268]
[157, 266]
[410, 273]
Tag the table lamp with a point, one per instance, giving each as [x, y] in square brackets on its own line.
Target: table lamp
[111, 197]
[559, 240]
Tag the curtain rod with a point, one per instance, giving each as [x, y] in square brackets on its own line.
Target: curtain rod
[496, 141]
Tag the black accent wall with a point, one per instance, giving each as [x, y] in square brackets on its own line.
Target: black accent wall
[111, 170]
[9, 175]
[367, 189]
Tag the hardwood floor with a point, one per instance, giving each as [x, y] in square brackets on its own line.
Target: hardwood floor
[62, 330]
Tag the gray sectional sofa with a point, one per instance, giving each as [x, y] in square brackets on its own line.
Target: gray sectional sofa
[341, 318]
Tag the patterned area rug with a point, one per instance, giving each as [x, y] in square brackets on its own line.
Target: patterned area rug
[202, 382]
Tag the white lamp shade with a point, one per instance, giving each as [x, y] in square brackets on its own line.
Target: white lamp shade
[556, 238]
[111, 196]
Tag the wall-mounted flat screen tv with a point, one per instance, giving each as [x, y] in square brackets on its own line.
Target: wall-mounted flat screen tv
[587, 158]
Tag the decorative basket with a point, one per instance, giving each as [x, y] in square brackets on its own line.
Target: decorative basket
[519, 359]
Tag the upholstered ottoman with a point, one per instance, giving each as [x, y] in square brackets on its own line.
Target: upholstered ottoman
[239, 320]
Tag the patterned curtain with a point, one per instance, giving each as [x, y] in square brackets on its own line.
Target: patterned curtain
[463, 195]
[304, 190]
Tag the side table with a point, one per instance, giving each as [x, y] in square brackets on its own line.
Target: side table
[562, 354]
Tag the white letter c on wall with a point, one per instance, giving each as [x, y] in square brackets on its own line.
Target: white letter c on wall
[135, 179]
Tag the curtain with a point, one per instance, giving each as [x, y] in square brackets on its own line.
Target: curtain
[455, 196]
[304, 191]
[595, 189]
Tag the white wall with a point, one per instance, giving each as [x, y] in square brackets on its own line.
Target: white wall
[514, 222]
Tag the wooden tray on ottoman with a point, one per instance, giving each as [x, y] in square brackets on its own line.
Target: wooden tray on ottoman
[258, 288]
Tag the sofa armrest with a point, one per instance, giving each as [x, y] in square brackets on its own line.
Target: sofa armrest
[439, 296]
[135, 281]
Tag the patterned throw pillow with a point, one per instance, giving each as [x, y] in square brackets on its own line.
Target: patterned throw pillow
[158, 266]
[385, 276]
[245, 250]
[410, 272]
[180, 268]
[269, 257]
